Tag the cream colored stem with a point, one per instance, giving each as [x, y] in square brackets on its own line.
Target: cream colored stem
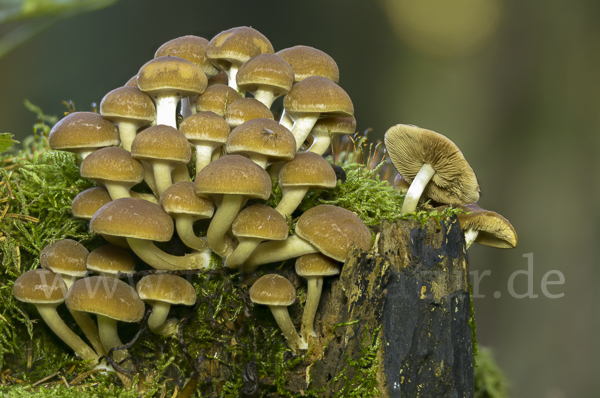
[203, 156]
[162, 175]
[302, 127]
[127, 133]
[282, 317]
[58, 326]
[181, 173]
[265, 96]
[276, 251]
[286, 121]
[110, 338]
[160, 312]
[186, 108]
[416, 188]
[470, 236]
[153, 256]
[231, 74]
[320, 144]
[290, 200]
[185, 229]
[166, 110]
[313, 296]
[149, 177]
[243, 250]
[116, 190]
[220, 224]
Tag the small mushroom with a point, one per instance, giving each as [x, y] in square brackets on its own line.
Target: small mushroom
[486, 228]
[278, 293]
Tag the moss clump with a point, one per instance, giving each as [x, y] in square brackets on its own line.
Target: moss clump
[490, 381]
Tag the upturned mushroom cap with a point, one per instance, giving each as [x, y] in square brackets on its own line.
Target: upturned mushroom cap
[110, 260]
[82, 133]
[129, 104]
[217, 99]
[262, 140]
[273, 289]
[113, 168]
[493, 229]
[40, 286]
[167, 288]
[107, 297]
[245, 109]
[66, 257]
[410, 147]
[133, 218]
[89, 201]
[190, 48]
[316, 264]
[260, 221]
[308, 61]
[236, 46]
[172, 75]
[333, 230]
[317, 94]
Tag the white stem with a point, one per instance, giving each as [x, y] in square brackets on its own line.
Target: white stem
[231, 74]
[302, 127]
[186, 108]
[416, 188]
[203, 156]
[292, 196]
[181, 173]
[116, 190]
[166, 110]
[265, 96]
[470, 236]
[282, 317]
[162, 175]
[149, 177]
[286, 121]
[276, 251]
[127, 132]
[158, 259]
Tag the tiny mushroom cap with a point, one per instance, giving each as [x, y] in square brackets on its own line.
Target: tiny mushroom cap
[165, 148]
[253, 225]
[167, 79]
[267, 77]
[246, 109]
[262, 140]
[161, 291]
[87, 202]
[278, 293]
[207, 131]
[314, 267]
[83, 133]
[306, 171]
[220, 79]
[110, 261]
[328, 229]
[130, 109]
[143, 222]
[486, 228]
[217, 99]
[326, 129]
[111, 300]
[115, 169]
[181, 202]
[308, 61]
[65, 257]
[47, 290]
[235, 179]
[231, 48]
[313, 98]
[432, 164]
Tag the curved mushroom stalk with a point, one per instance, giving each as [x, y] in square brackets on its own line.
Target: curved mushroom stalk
[159, 259]
[282, 317]
[275, 251]
[220, 224]
[416, 188]
[185, 230]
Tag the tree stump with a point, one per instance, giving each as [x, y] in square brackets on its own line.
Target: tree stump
[408, 300]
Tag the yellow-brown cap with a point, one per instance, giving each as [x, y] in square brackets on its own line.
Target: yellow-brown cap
[83, 131]
[171, 75]
[273, 290]
[308, 61]
[190, 48]
[181, 198]
[317, 94]
[260, 221]
[40, 286]
[87, 202]
[494, 230]
[167, 288]
[217, 98]
[236, 46]
[66, 257]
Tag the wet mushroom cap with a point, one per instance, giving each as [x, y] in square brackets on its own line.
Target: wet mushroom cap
[333, 230]
[166, 288]
[273, 289]
[410, 147]
[65, 256]
[82, 131]
[307, 169]
[308, 61]
[316, 264]
[133, 218]
[493, 229]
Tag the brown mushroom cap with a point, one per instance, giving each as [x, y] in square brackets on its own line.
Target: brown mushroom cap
[236, 46]
[333, 230]
[308, 61]
[220, 79]
[266, 72]
[168, 288]
[493, 229]
[205, 126]
[181, 198]
[273, 289]
[163, 143]
[190, 48]
[133, 218]
[217, 99]
[108, 297]
[40, 286]
[307, 169]
[111, 260]
[245, 109]
[66, 257]
[316, 264]
[83, 132]
[128, 103]
[410, 147]
[87, 202]
[317, 94]
[260, 221]
[171, 75]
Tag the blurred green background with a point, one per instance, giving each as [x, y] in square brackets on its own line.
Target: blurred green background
[513, 83]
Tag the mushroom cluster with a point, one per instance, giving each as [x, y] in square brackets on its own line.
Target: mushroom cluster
[205, 106]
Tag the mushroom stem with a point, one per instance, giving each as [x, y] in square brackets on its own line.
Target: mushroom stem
[302, 127]
[166, 110]
[320, 144]
[286, 121]
[416, 188]
[116, 191]
[184, 224]
[203, 156]
[243, 250]
[265, 96]
[282, 317]
[181, 173]
[157, 322]
[231, 75]
[152, 255]
[275, 251]
[127, 132]
[186, 108]
[109, 336]
[292, 196]
[221, 222]
[58, 326]
[162, 175]
[470, 236]
[313, 296]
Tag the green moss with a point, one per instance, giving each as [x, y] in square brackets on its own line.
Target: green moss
[490, 381]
